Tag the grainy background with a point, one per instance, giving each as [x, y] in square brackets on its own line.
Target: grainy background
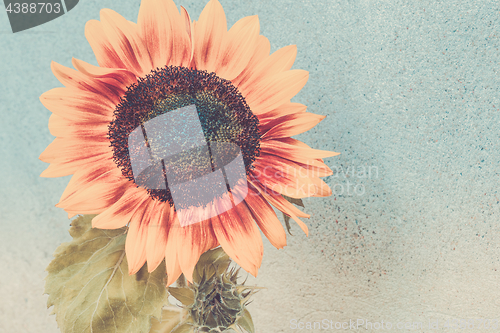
[410, 89]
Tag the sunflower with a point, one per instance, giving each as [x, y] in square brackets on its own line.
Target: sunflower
[167, 79]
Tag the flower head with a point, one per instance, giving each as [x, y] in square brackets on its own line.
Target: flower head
[183, 133]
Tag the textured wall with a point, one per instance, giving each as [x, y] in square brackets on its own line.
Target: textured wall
[410, 89]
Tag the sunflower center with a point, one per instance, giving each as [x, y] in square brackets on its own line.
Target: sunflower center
[176, 127]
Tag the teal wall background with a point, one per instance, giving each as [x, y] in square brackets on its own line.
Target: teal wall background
[411, 93]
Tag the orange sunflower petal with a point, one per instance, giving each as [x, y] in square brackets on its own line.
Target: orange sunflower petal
[62, 127]
[292, 152]
[85, 176]
[189, 25]
[74, 79]
[171, 258]
[194, 240]
[209, 31]
[316, 168]
[157, 235]
[137, 236]
[291, 125]
[97, 196]
[282, 110]
[275, 90]
[280, 61]
[239, 236]
[65, 150]
[55, 170]
[311, 169]
[283, 205]
[266, 219]
[77, 105]
[322, 189]
[116, 77]
[114, 80]
[119, 213]
[187, 21]
[260, 52]
[283, 177]
[239, 44]
[68, 167]
[93, 199]
[126, 42]
[161, 27]
[100, 44]
[316, 165]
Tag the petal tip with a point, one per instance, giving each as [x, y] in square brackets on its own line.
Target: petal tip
[133, 269]
[95, 221]
[91, 24]
[53, 65]
[172, 278]
[43, 174]
[107, 12]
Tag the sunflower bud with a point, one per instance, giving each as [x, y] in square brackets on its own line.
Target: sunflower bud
[215, 302]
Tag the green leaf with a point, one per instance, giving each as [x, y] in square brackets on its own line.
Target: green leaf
[90, 288]
[184, 328]
[184, 295]
[246, 322]
[287, 223]
[169, 319]
[295, 201]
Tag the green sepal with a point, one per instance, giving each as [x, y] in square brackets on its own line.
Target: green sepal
[286, 218]
[90, 288]
[209, 261]
[246, 322]
[184, 295]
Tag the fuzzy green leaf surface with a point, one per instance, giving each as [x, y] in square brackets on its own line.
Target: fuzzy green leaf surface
[170, 318]
[184, 328]
[184, 295]
[209, 261]
[246, 321]
[90, 288]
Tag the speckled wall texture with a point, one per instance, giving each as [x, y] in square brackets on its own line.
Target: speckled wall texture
[411, 94]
